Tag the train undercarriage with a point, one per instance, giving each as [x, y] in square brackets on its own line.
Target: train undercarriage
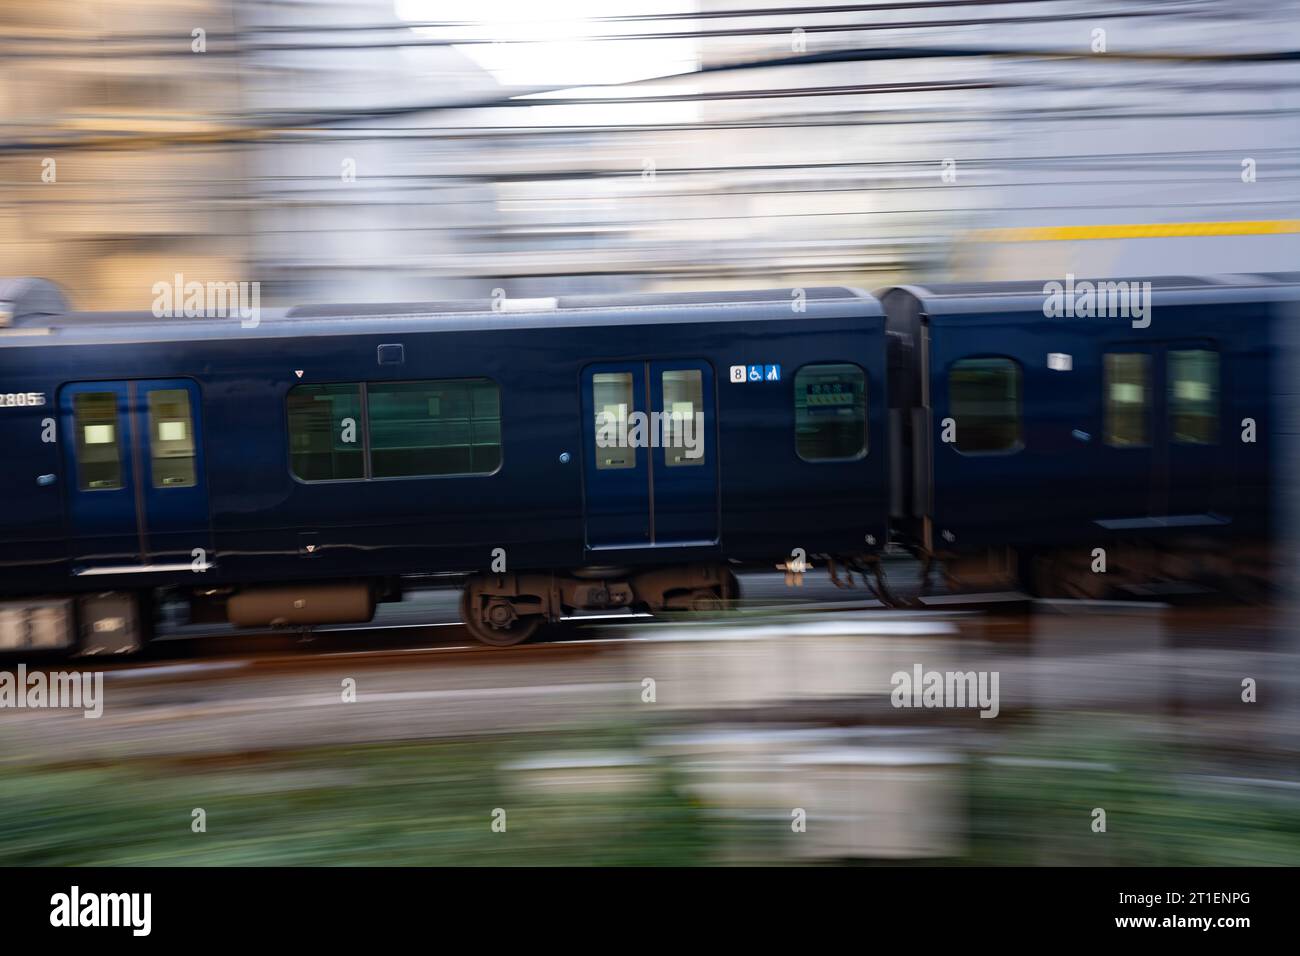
[1119, 570]
[497, 609]
[510, 608]
[505, 609]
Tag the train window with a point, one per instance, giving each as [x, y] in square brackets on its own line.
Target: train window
[171, 438]
[424, 429]
[683, 427]
[1194, 396]
[984, 395]
[830, 412]
[611, 394]
[1128, 397]
[325, 440]
[99, 458]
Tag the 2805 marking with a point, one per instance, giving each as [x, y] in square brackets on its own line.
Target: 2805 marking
[23, 399]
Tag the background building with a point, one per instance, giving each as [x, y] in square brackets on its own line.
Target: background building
[406, 149]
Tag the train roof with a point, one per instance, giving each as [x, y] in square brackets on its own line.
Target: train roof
[571, 302]
[1015, 296]
[30, 311]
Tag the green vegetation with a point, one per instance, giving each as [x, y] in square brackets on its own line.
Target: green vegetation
[431, 803]
[410, 803]
[1163, 806]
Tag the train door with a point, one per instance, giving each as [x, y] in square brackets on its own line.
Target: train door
[1125, 488]
[685, 461]
[136, 494]
[1160, 431]
[1189, 417]
[650, 467]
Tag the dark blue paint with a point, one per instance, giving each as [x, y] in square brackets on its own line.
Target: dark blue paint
[1066, 486]
[617, 499]
[175, 516]
[767, 500]
[103, 523]
[136, 523]
[686, 496]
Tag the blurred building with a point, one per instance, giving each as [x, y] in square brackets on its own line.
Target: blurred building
[1155, 154]
[95, 195]
[139, 149]
[411, 149]
[361, 195]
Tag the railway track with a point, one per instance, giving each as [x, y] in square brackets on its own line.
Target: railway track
[427, 624]
[216, 693]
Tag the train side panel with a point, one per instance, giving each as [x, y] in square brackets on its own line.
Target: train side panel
[33, 548]
[1050, 433]
[268, 525]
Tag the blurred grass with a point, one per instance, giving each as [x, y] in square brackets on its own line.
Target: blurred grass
[431, 803]
[1166, 805]
[389, 804]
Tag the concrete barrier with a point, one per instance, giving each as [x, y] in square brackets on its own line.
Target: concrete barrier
[737, 666]
[879, 802]
[583, 772]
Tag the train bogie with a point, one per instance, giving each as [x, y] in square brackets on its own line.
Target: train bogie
[505, 609]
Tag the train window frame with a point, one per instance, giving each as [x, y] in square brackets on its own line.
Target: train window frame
[630, 459]
[1019, 369]
[810, 367]
[363, 431]
[80, 442]
[155, 420]
[1148, 403]
[465, 380]
[695, 378]
[1216, 400]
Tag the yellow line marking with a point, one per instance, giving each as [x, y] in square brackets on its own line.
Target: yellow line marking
[1154, 230]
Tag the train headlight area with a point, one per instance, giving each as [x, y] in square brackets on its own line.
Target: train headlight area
[592, 454]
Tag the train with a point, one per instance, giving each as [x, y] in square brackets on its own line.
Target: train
[296, 467]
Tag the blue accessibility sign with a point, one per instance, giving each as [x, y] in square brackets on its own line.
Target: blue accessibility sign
[772, 373]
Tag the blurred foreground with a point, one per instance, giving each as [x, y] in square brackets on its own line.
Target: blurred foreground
[769, 738]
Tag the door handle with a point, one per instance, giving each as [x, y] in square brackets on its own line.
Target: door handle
[45, 480]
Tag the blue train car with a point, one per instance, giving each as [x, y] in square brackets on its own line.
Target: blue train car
[574, 453]
[1062, 437]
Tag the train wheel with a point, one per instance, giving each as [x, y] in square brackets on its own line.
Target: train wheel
[498, 624]
[705, 602]
[730, 589]
[715, 599]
